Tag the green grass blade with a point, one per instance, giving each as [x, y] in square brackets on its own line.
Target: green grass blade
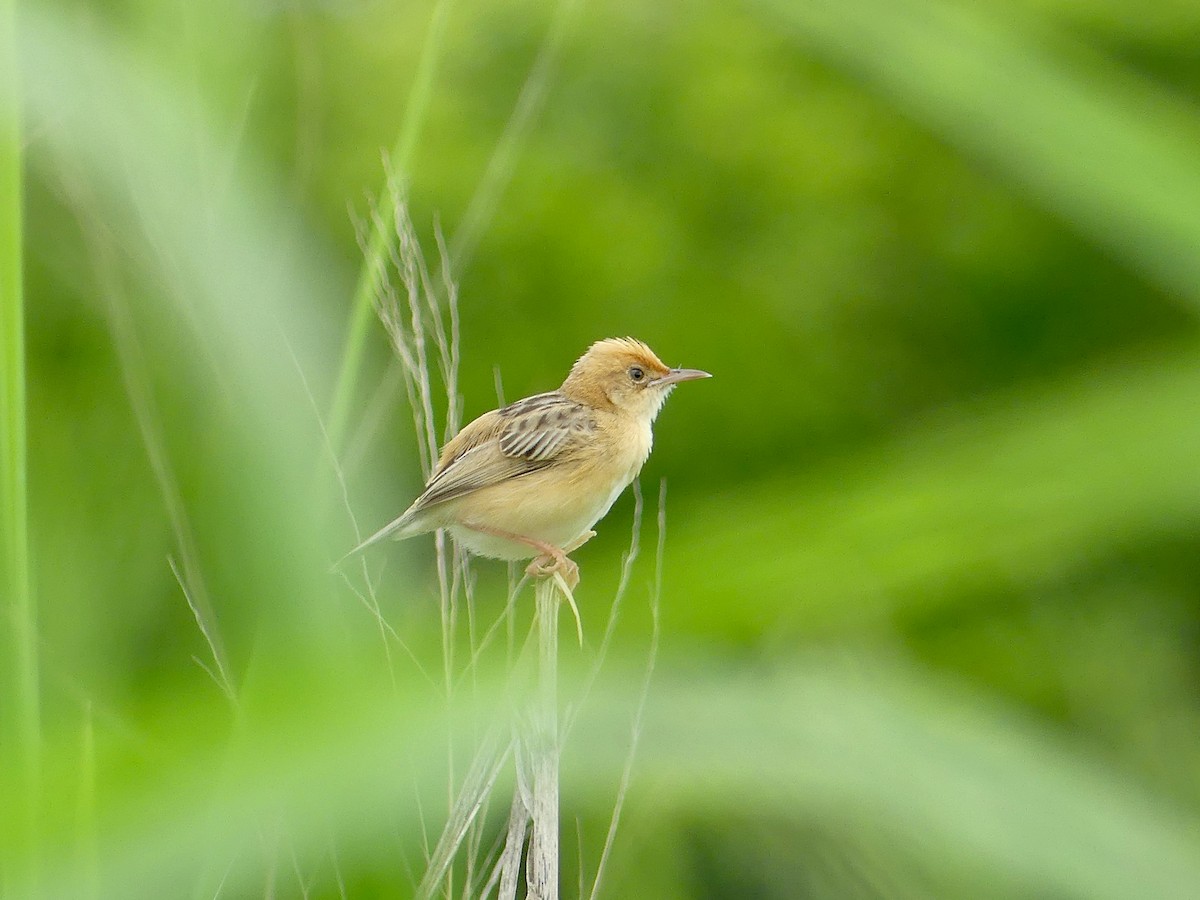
[19, 688]
[1115, 156]
[948, 775]
[379, 237]
[1014, 496]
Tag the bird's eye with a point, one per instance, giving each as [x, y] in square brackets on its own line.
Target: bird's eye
[636, 373]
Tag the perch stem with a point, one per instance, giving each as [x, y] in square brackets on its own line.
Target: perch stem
[543, 845]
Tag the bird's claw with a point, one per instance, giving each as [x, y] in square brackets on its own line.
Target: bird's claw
[557, 562]
[565, 571]
[547, 565]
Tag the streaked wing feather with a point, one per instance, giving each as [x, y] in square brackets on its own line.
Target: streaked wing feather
[540, 427]
[506, 443]
[480, 467]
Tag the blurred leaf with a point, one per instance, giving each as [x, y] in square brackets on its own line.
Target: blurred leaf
[761, 214]
[941, 773]
[244, 277]
[1011, 495]
[848, 741]
[1109, 152]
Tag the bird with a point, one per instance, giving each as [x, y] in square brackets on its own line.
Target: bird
[530, 479]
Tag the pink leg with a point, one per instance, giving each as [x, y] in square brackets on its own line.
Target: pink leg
[552, 559]
[579, 542]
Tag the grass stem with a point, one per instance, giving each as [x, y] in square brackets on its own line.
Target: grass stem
[378, 244]
[543, 845]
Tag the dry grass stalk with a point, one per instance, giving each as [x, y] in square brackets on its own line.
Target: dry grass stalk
[542, 863]
[420, 316]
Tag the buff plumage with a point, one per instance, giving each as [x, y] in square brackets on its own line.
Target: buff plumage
[532, 478]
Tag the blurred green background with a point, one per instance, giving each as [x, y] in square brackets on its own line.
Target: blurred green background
[930, 618]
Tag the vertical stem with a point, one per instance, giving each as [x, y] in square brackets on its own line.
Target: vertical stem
[510, 858]
[379, 240]
[543, 845]
[19, 712]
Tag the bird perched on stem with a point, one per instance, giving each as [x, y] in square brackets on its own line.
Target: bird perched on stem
[532, 478]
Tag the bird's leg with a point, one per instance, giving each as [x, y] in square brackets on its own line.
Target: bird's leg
[553, 563]
[549, 563]
[552, 559]
[556, 563]
[579, 542]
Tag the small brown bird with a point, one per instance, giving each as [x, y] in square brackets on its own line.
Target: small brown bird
[532, 478]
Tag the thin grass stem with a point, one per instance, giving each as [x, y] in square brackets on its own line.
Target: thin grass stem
[379, 241]
[103, 253]
[477, 787]
[422, 323]
[614, 611]
[500, 166]
[506, 875]
[639, 716]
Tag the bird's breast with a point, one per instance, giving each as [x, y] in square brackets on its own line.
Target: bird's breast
[607, 469]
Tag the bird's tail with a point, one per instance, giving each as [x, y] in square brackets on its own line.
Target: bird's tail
[399, 528]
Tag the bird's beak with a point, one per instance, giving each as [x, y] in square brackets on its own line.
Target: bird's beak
[677, 375]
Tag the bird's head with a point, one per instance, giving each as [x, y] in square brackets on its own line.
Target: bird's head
[625, 374]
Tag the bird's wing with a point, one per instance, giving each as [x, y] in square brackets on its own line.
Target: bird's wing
[542, 427]
[506, 443]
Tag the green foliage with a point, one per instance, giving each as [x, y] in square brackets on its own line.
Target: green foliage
[930, 608]
[20, 716]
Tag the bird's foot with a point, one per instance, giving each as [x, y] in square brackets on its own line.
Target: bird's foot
[555, 563]
[565, 573]
[551, 563]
